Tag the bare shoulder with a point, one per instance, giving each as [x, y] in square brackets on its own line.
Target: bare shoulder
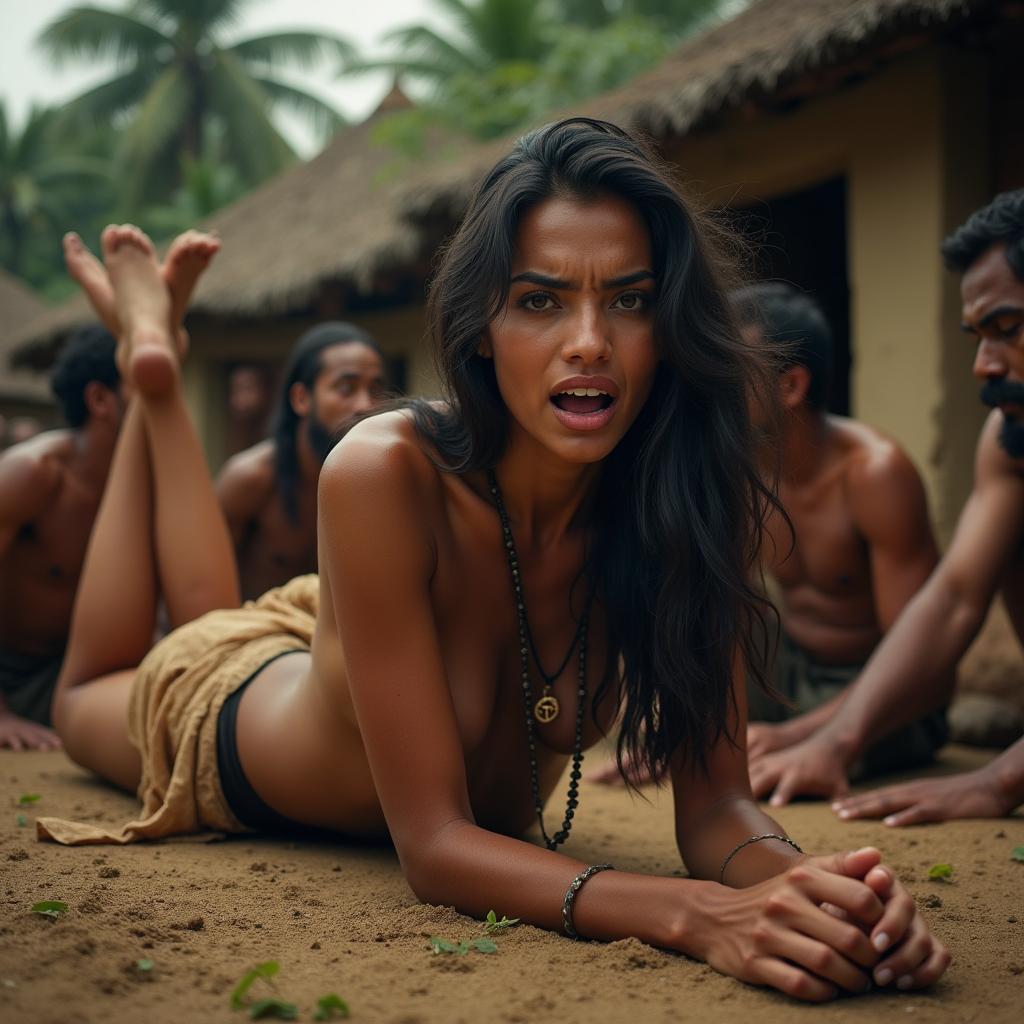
[991, 461]
[32, 471]
[875, 461]
[383, 457]
[254, 467]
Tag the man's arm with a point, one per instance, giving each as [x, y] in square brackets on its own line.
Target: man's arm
[911, 672]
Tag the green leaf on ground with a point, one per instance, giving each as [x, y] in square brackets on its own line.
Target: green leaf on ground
[940, 872]
[330, 1006]
[275, 1009]
[50, 908]
[439, 945]
[484, 946]
[265, 970]
[21, 820]
[144, 965]
[29, 798]
[492, 924]
[1017, 854]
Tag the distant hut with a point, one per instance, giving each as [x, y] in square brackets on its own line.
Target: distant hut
[22, 392]
[847, 136]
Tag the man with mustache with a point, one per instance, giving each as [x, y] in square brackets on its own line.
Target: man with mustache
[268, 492]
[910, 672]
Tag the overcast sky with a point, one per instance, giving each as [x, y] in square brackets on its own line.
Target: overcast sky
[27, 76]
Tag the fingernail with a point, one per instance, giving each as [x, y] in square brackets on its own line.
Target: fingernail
[835, 805]
[775, 802]
[881, 942]
[891, 820]
[844, 814]
[905, 982]
[883, 977]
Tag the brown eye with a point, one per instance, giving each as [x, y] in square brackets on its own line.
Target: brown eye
[538, 302]
[633, 301]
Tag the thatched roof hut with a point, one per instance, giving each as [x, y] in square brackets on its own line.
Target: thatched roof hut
[20, 390]
[360, 211]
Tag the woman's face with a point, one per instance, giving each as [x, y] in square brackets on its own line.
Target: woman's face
[574, 350]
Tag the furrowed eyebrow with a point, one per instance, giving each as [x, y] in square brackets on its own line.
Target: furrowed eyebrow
[532, 277]
[999, 311]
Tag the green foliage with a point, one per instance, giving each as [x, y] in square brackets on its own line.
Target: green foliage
[272, 1008]
[50, 908]
[177, 75]
[940, 872]
[1017, 854]
[28, 798]
[506, 63]
[492, 924]
[439, 945]
[21, 821]
[330, 1006]
[144, 965]
[265, 970]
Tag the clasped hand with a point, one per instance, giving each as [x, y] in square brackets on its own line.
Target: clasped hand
[828, 924]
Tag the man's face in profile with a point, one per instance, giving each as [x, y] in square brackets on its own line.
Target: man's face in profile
[993, 312]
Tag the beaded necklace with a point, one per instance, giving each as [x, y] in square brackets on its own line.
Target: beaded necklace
[541, 709]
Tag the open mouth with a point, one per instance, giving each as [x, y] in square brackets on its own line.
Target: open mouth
[582, 401]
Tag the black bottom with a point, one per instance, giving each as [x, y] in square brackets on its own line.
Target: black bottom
[245, 803]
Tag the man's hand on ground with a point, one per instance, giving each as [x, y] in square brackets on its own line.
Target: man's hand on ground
[21, 734]
[811, 768]
[765, 738]
[971, 795]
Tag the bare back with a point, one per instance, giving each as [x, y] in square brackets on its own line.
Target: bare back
[47, 513]
[863, 544]
[455, 601]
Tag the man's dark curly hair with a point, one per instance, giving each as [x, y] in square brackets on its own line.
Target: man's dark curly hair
[1002, 221]
[88, 356]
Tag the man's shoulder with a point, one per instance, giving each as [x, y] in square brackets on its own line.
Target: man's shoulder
[38, 464]
[254, 466]
[873, 459]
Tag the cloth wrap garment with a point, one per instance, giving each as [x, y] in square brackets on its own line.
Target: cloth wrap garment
[176, 697]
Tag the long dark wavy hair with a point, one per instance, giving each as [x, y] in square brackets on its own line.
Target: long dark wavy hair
[680, 505]
[303, 367]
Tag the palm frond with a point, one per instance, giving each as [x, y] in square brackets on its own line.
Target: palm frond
[423, 43]
[72, 170]
[156, 124]
[85, 32]
[324, 119]
[110, 98]
[242, 107]
[305, 49]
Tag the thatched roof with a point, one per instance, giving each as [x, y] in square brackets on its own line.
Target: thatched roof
[19, 305]
[357, 212]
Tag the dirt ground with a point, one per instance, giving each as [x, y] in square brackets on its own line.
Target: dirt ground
[341, 919]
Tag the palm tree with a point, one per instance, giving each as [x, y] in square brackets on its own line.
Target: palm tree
[487, 33]
[176, 72]
[678, 17]
[40, 184]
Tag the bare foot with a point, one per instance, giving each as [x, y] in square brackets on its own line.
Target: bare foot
[93, 279]
[189, 255]
[145, 353]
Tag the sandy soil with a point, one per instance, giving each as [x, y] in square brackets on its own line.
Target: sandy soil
[339, 919]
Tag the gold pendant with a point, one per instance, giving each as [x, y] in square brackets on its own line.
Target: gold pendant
[546, 709]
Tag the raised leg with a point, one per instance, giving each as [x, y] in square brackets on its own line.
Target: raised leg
[159, 527]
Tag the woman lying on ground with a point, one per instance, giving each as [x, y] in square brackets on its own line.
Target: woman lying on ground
[572, 534]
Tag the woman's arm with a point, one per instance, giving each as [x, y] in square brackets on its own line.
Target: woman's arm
[378, 501]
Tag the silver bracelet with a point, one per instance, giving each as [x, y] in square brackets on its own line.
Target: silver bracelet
[748, 842]
[570, 895]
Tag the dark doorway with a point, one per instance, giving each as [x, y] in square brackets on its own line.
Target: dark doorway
[800, 237]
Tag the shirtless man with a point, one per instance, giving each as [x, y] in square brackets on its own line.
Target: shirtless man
[268, 492]
[50, 489]
[861, 544]
[911, 672]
